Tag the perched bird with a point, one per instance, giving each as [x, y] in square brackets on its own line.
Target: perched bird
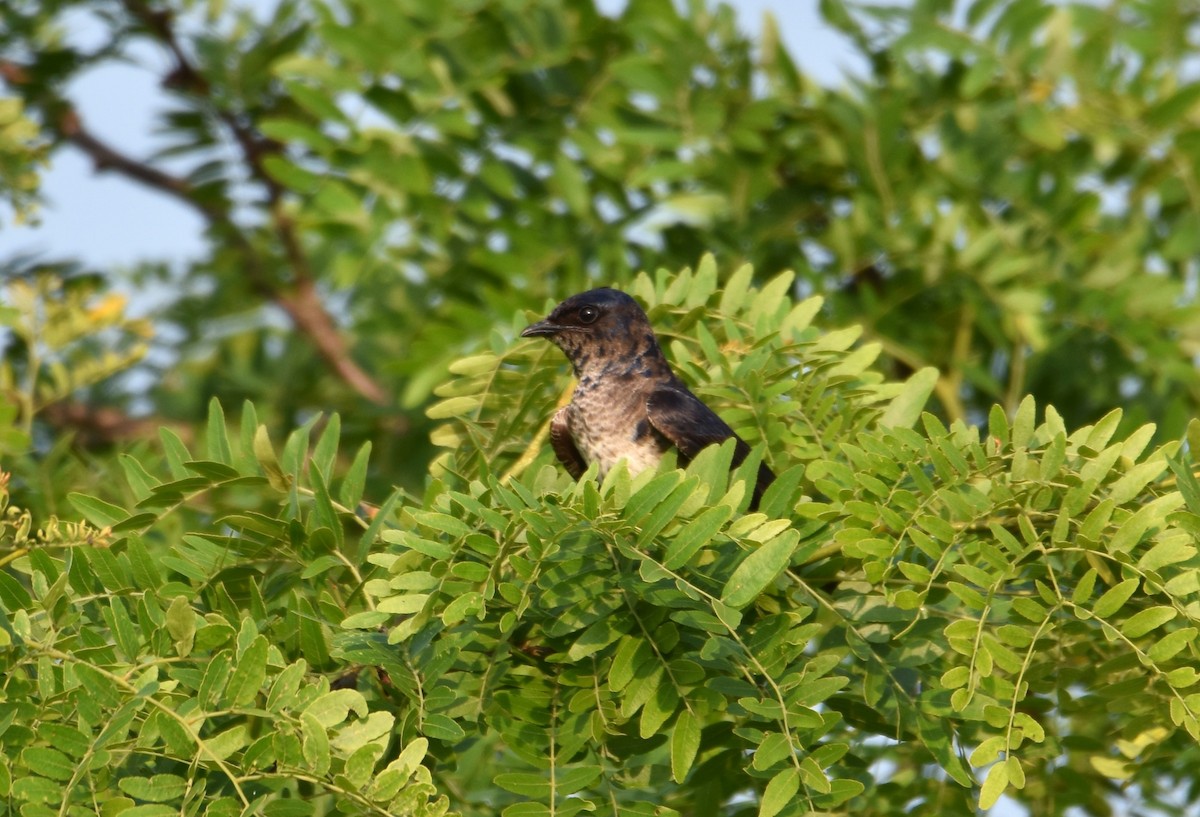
[628, 404]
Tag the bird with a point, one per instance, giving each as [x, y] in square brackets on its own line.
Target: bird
[628, 403]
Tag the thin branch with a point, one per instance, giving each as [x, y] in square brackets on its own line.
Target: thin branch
[106, 157]
[98, 426]
[304, 307]
[301, 301]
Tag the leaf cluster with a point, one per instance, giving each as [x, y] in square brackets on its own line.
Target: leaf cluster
[236, 629]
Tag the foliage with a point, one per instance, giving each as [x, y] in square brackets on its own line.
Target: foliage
[1028, 188]
[924, 616]
[22, 152]
[1009, 196]
[63, 339]
[236, 631]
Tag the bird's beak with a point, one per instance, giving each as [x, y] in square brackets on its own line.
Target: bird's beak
[539, 329]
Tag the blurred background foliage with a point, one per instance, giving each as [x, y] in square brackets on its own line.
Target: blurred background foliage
[1010, 194]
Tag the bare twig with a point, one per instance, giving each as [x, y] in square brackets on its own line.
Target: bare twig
[100, 426]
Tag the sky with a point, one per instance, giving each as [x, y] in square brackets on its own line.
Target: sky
[108, 222]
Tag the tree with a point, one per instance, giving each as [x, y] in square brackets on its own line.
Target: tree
[211, 621]
[1005, 202]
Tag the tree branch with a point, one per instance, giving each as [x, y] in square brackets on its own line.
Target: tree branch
[106, 157]
[301, 300]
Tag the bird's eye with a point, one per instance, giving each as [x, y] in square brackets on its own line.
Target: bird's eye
[588, 314]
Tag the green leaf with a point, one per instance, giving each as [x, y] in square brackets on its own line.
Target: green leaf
[136, 475]
[1104, 429]
[250, 673]
[525, 784]
[906, 407]
[813, 778]
[151, 810]
[159, 788]
[102, 689]
[1130, 486]
[1039, 125]
[453, 407]
[774, 748]
[1083, 590]
[1023, 423]
[382, 516]
[410, 757]
[100, 513]
[13, 595]
[324, 514]
[651, 495]
[997, 426]
[1167, 552]
[665, 511]
[325, 451]
[355, 481]
[356, 734]
[212, 683]
[531, 810]
[442, 522]
[181, 624]
[333, 707]
[1189, 486]
[176, 452]
[779, 792]
[216, 434]
[212, 471]
[1150, 515]
[286, 684]
[1114, 598]
[224, 744]
[124, 632]
[315, 742]
[993, 786]
[685, 742]
[246, 428]
[572, 779]
[694, 535]
[264, 452]
[49, 762]
[1148, 620]
[597, 636]
[1171, 644]
[289, 807]
[632, 653]
[440, 727]
[988, 751]
[658, 709]
[737, 287]
[759, 569]
[295, 449]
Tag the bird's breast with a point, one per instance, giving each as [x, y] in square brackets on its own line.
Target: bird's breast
[608, 423]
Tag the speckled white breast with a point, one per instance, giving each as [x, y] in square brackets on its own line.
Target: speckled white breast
[609, 423]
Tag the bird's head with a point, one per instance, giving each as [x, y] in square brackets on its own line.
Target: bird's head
[597, 327]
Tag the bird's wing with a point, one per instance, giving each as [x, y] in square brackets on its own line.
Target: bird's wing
[564, 445]
[683, 419]
[689, 424]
